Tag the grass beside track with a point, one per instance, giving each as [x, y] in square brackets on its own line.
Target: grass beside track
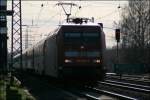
[14, 91]
[2, 90]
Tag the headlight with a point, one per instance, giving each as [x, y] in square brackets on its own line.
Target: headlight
[68, 61]
[97, 61]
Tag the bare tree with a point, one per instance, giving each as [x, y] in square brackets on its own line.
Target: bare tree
[135, 25]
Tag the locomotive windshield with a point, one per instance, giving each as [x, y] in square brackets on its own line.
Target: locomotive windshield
[83, 35]
[82, 41]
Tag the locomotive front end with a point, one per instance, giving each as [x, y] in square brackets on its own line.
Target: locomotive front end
[82, 52]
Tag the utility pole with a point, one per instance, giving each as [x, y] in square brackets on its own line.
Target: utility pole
[3, 35]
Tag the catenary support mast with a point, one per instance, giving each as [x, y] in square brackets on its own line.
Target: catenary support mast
[16, 36]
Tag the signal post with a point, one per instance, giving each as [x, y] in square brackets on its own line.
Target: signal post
[117, 36]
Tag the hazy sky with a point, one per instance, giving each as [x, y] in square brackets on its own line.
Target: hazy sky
[47, 17]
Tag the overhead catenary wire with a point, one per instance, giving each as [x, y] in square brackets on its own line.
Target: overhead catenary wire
[36, 4]
[108, 15]
[99, 4]
[52, 17]
[86, 5]
[39, 14]
[44, 22]
[95, 4]
[79, 10]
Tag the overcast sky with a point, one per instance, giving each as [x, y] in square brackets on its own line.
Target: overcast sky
[47, 17]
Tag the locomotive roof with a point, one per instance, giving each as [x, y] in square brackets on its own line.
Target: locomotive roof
[83, 24]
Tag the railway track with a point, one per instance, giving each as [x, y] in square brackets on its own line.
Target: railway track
[142, 77]
[130, 79]
[81, 93]
[89, 93]
[131, 90]
[113, 94]
[44, 88]
[147, 88]
[136, 79]
[125, 86]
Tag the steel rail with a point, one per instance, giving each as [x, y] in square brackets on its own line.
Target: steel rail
[127, 78]
[129, 84]
[113, 94]
[128, 87]
[83, 94]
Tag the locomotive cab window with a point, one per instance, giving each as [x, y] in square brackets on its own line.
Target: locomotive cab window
[91, 37]
[81, 35]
